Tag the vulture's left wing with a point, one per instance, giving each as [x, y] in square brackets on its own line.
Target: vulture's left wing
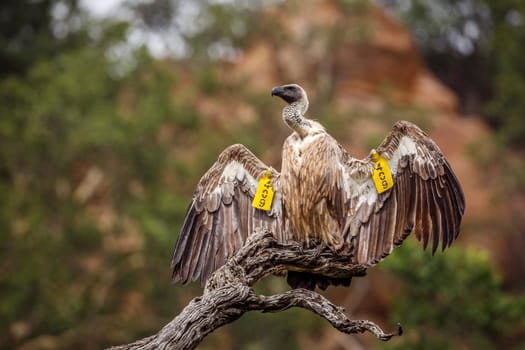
[426, 196]
[221, 215]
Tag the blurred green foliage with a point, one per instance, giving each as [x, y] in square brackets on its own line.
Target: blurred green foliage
[506, 106]
[85, 202]
[475, 47]
[99, 154]
[452, 300]
[26, 34]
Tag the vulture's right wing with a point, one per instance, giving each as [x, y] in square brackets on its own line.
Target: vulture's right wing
[425, 197]
[221, 215]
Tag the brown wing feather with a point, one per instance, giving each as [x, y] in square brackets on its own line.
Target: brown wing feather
[220, 216]
[426, 197]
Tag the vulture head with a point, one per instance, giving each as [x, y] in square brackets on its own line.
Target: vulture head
[294, 95]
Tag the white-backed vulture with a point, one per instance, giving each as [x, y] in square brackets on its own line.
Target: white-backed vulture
[322, 195]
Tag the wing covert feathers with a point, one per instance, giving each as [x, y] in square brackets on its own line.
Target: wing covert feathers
[426, 198]
[336, 195]
[220, 215]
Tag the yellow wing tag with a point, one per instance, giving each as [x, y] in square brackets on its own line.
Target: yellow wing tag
[264, 194]
[382, 176]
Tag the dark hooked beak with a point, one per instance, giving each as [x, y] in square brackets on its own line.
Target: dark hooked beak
[277, 91]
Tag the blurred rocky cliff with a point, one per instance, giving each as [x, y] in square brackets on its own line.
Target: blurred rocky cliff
[363, 72]
[102, 144]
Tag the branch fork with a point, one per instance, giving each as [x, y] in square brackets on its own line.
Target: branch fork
[228, 294]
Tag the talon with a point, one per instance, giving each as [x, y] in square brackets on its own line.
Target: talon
[319, 249]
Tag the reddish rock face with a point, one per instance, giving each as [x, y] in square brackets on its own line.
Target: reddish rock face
[359, 63]
[360, 50]
[362, 72]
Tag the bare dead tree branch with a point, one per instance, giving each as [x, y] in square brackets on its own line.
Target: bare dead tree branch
[228, 294]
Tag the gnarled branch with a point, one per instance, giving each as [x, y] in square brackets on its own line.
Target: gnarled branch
[228, 293]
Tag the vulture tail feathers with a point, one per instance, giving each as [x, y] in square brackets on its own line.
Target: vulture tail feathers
[311, 280]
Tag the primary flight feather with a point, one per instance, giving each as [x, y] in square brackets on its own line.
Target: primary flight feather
[322, 195]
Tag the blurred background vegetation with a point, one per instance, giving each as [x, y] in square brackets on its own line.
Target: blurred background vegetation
[109, 115]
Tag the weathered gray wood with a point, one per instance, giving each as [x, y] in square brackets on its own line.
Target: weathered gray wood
[228, 294]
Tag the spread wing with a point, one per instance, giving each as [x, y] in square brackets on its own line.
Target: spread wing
[220, 215]
[426, 197]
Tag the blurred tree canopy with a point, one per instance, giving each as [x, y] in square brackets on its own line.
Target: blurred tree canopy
[78, 148]
[97, 160]
[435, 301]
[476, 48]
[98, 156]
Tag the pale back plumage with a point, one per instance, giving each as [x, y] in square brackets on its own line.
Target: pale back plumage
[323, 195]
